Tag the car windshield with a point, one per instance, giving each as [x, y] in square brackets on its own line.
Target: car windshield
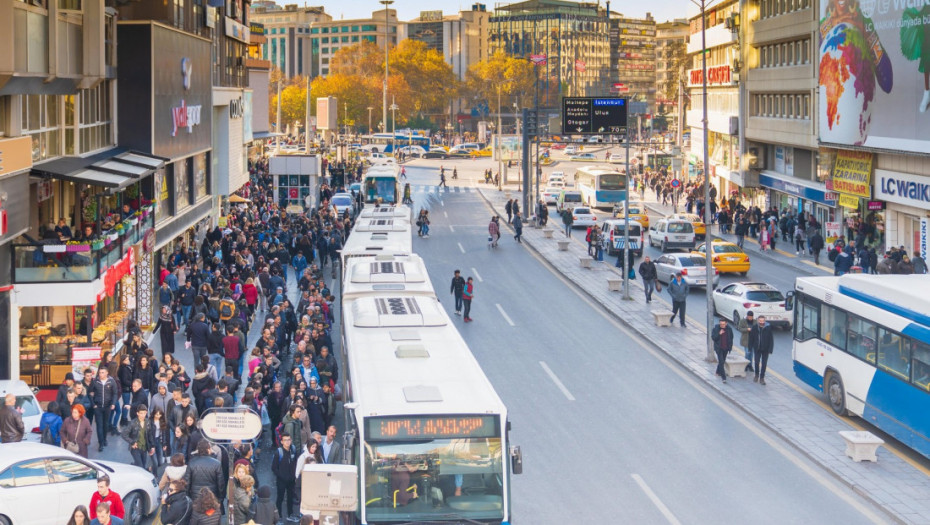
[727, 248]
[680, 227]
[342, 201]
[770, 296]
[29, 405]
[582, 211]
[620, 228]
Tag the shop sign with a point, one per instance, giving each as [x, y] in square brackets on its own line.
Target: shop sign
[185, 116]
[902, 188]
[852, 172]
[117, 272]
[15, 155]
[236, 108]
[832, 230]
[256, 29]
[44, 191]
[923, 242]
[237, 30]
[831, 196]
[716, 76]
[875, 205]
[849, 201]
[222, 221]
[231, 425]
[83, 357]
[148, 240]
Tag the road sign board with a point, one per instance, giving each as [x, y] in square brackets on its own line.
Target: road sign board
[675, 183]
[231, 425]
[594, 115]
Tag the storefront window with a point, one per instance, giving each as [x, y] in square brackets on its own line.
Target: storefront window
[162, 192]
[200, 176]
[865, 227]
[182, 185]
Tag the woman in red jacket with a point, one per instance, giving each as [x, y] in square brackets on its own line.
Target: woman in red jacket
[251, 294]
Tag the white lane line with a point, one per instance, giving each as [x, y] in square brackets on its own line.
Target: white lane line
[556, 381]
[461, 247]
[503, 313]
[441, 203]
[444, 214]
[453, 230]
[474, 271]
[655, 500]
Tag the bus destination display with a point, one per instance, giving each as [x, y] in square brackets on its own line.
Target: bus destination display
[593, 115]
[431, 427]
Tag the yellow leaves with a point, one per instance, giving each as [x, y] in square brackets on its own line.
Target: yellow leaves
[501, 73]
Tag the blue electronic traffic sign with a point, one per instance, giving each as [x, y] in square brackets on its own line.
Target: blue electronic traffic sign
[594, 115]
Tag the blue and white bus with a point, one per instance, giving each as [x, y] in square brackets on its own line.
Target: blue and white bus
[864, 340]
[385, 142]
[381, 183]
[601, 186]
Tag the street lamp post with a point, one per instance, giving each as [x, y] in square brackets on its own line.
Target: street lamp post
[384, 104]
[369, 119]
[708, 239]
[500, 161]
[393, 109]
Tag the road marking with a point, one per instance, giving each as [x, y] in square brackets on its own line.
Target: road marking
[553, 377]
[655, 500]
[453, 231]
[441, 203]
[474, 271]
[503, 313]
[444, 214]
[461, 248]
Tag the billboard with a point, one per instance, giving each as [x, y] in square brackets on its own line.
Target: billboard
[510, 148]
[871, 75]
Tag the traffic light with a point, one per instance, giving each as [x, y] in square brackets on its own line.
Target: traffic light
[337, 177]
[530, 122]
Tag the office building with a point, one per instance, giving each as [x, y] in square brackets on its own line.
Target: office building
[633, 59]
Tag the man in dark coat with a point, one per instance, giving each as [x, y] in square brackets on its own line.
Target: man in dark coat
[206, 471]
[283, 465]
[647, 270]
[765, 345]
[723, 343]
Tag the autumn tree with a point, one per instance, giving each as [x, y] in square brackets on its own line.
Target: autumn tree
[432, 82]
[502, 74]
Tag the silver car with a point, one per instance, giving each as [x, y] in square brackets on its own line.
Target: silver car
[344, 202]
[691, 267]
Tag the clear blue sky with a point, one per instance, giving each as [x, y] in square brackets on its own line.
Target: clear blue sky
[661, 10]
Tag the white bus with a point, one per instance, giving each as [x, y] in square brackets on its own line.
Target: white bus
[381, 185]
[864, 340]
[601, 186]
[386, 273]
[373, 243]
[384, 212]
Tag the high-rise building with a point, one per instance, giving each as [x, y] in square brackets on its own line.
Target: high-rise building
[671, 44]
[259, 71]
[572, 36]
[287, 36]
[632, 58]
[462, 38]
[328, 37]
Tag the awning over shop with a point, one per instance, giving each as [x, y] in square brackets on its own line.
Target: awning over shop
[114, 169]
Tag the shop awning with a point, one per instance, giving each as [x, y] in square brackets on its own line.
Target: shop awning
[114, 169]
[237, 199]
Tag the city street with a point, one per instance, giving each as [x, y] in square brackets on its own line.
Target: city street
[599, 415]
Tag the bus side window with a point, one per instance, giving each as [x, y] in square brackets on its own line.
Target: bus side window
[810, 321]
[920, 359]
[861, 338]
[893, 355]
[833, 326]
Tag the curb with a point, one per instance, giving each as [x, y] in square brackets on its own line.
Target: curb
[710, 384]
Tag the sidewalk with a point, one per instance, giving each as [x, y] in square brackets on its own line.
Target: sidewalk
[892, 484]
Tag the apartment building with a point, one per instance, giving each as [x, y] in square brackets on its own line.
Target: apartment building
[671, 42]
[633, 59]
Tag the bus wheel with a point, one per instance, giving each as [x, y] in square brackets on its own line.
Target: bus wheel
[836, 394]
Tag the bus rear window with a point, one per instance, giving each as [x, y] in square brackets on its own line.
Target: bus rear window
[572, 197]
[612, 182]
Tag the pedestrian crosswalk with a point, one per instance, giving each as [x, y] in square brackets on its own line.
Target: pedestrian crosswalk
[432, 188]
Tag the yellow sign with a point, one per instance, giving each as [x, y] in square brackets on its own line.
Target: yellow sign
[852, 173]
[849, 201]
[15, 155]
[221, 222]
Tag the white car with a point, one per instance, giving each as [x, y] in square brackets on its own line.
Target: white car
[583, 156]
[556, 176]
[691, 267]
[583, 217]
[25, 400]
[734, 300]
[413, 151]
[551, 194]
[343, 202]
[42, 484]
[571, 149]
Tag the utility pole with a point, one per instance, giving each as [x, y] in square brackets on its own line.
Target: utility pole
[500, 162]
[384, 104]
[307, 140]
[277, 122]
[369, 119]
[626, 223]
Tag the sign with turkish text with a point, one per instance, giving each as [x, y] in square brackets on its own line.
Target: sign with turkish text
[231, 425]
[875, 205]
[237, 30]
[539, 60]
[832, 229]
[716, 76]
[84, 357]
[852, 173]
[256, 29]
[580, 66]
[922, 236]
[591, 115]
[902, 188]
[849, 201]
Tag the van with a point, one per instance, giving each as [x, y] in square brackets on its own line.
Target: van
[466, 147]
[615, 229]
[568, 199]
[672, 233]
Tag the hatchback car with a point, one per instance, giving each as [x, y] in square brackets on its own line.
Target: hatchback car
[27, 402]
[691, 267]
[551, 194]
[42, 484]
[700, 230]
[734, 300]
[583, 217]
[726, 256]
[556, 176]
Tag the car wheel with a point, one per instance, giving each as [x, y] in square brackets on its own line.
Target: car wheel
[836, 393]
[134, 510]
[4, 520]
[735, 317]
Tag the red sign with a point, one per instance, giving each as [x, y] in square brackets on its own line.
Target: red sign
[539, 60]
[117, 272]
[148, 240]
[716, 75]
[875, 205]
[293, 193]
[579, 65]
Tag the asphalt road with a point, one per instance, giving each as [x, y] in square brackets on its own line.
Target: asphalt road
[611, 431]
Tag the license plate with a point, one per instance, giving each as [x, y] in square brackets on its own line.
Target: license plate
[700, 281]
[732, 258]
[679, 237]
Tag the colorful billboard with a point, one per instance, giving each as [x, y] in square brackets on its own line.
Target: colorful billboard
[874, 58]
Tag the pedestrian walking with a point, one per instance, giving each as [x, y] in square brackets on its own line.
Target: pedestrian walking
[920, 266]
[76, 431]
[518, 227]
[745, 327]
[494, 231]
[458, 284]
[568, 220]
[106, 496]
[765, 345]
[509, 209]
[647, 270]
[468, 293]
[800, 240]
[139, 437]
[282, 466]
[678, 289]
[104, 394]
[176, 505]
[817, 244]
[723, 343]
[442, 179]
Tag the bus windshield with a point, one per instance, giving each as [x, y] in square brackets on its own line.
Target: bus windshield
[421, 480]
[612, 182]
[381, 187]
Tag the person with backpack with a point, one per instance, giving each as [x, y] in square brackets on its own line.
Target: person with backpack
[282, 465]
[50, 425]
[290, 425]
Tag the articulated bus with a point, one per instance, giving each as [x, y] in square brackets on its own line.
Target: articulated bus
[427, 431]
[601, 186]
[380, 184]
[864, 340]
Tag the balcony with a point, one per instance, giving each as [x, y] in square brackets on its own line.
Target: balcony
[76, 262]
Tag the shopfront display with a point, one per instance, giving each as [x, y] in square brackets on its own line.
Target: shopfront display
[907, 201]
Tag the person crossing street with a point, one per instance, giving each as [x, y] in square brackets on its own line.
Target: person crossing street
[458, 285]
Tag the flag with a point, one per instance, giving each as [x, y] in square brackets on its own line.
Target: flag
[539, 60]
[579, 65]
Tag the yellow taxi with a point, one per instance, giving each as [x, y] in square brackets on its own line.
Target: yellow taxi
[726, 257]
[700, 231]
[638, 213]
[486, 152]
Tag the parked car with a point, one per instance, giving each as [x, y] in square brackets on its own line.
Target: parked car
[583, 217]
[734, 300]
[413, 151]
[700, 231]
[436, 153]
[41, 485]
[691, 267]
[672, 233]
[25, 400]
[344, 202]
[726, 256]
[637, 213]
[465, 148]
[583, 157]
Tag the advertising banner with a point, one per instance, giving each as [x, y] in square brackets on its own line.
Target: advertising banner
[902, 188]
[510, 148]
[873, 56]
[852, 173]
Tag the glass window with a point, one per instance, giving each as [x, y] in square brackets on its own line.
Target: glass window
[200, 175]
[162, 192]
[809, 324]
[920, 363]
[64, 470]
[6, 478]
[30, 472]
[182, 185]
[893, 354]
[833, 326]
[355, 29]
[861, 337]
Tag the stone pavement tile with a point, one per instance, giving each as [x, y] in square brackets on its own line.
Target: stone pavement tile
[787, 412]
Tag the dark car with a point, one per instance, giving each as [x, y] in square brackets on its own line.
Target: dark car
[435, 155]
[461, 154]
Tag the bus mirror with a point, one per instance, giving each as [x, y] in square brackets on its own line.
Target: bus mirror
[516, 460]
[789, 301]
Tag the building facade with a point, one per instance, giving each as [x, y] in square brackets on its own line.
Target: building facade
[671, 44]
[287, 36]
[461, 38]
[633, 59]
[573, 36]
